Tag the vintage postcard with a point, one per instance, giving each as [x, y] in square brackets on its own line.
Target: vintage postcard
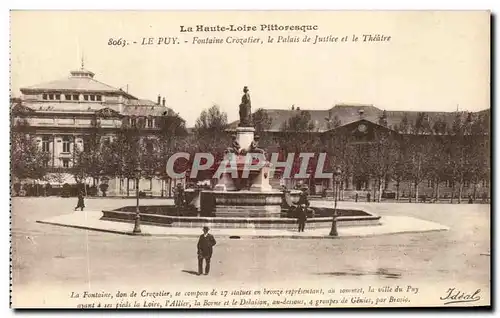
[250, 159]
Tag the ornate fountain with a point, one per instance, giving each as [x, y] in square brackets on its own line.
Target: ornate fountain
[243, 189]
[242, 197]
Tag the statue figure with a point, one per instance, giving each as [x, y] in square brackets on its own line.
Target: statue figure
[254, 146]
[245, 109]
[235, 146]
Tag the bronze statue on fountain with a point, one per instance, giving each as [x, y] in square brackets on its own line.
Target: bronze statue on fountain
[245, 109]
[254, 146]
[235, 146]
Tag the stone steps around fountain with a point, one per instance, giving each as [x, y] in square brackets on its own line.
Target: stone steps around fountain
[230, 211]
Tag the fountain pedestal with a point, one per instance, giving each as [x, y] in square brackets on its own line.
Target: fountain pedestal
[243, 190]
[244, 136]
[260, 182]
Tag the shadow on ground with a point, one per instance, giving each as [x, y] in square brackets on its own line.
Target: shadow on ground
[380, 272]
[190, 272]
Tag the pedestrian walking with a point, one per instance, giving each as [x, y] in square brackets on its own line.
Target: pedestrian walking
[471, 200]
[303, 204]
[302, 218]
[81, 201]
[368, 195]
[206, 243]
[356, 196]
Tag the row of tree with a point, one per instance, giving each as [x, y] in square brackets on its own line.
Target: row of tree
[410, 151]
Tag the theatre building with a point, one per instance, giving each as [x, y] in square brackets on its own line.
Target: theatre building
[356, 139]
[61, 112]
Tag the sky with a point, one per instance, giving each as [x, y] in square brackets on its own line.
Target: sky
[434, 61]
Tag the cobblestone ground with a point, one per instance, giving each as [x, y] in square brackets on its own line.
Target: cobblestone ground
[46, 255]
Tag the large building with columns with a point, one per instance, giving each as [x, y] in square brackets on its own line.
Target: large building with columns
[59, 113]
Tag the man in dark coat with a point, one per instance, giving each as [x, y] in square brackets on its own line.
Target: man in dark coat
[206, 243]
[303, 204]
[81, 202]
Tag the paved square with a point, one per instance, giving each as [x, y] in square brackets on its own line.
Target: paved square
[52, 257]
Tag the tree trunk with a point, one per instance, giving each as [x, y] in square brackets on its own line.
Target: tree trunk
[379, 190]
[460, 188]
[169, 188]
[374, 192]
[397, 190]
[409, 192]
[437, 190]
[416, 192]
[128, 186]
[342, 191]
[474, 191]
[433, 186]
[452, 191]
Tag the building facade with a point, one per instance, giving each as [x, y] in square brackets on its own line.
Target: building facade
[400, 154]
[61, 113]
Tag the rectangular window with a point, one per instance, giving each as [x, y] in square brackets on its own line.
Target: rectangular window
[51, 96]
[98, 98]
[66, 144]
[58, 96]
[133, 122]
[76, 97]
[86, 97]
[44, 96]
[67, 96]
[92, 98]
[150, 122]
[65, 163]
[45, 144]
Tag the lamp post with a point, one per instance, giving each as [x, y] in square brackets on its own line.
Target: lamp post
[336, 175]
[137, 223]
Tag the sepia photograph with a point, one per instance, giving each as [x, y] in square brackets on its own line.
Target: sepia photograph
[250, 159]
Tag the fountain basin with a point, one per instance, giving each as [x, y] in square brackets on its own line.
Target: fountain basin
[159, 216]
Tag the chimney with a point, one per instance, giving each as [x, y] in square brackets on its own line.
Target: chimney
[361, 113]
[159, 99]
[163, 101]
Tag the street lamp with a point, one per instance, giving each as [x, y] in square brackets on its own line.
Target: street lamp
[137, 223]
[336, 176]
